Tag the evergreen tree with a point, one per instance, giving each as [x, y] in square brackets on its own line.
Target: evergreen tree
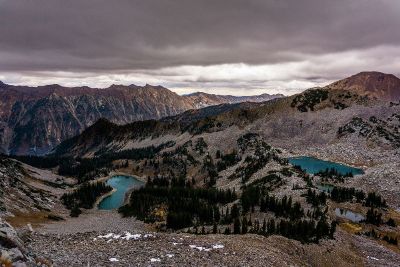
[236, 226]
[227, 231]
[244, 226]
[215, 228]
[264, 227]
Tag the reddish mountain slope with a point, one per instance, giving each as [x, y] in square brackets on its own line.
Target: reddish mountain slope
[376, 84]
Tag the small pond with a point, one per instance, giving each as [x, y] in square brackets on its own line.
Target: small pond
[350, 215]
[122, 184]
[313, 165]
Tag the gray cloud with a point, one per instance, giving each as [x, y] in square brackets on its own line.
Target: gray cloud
[139, 37]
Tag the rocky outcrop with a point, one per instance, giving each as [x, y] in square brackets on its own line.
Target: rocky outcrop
[379, 132]
[12, 250]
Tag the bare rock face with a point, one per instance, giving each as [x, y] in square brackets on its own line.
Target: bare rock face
[35, 119]
[8, 236]
[376, 84]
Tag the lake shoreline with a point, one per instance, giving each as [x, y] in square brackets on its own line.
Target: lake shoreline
[102, 197]
[310, 165]
[326, 158]
[112, 174]
[136, 182]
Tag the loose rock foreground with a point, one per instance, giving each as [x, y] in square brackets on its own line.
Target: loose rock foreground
[105, 239]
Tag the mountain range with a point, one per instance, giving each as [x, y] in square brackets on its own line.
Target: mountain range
[243, 148]
[35, 119]
[334, 123]
[283, 119]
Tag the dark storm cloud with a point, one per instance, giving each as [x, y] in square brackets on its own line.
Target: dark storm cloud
[104, 35]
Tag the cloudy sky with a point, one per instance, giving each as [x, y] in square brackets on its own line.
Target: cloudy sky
[218, 46]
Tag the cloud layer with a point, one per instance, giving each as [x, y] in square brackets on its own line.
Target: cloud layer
[237, 47]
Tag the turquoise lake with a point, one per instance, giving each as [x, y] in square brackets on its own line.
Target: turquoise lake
[122, 184]
[313, 165]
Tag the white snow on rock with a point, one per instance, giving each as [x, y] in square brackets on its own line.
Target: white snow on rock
[200, 248]
[106, 236]
[113, 259]
[127, 236]
[155, 260]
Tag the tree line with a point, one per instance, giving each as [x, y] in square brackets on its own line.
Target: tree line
[85, 169]
[306, 231]
[333, 174]
[186, 205]
[84, 196]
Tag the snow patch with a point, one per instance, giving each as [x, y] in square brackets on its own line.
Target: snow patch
[127, 236]
[200, 248]
[106, 236]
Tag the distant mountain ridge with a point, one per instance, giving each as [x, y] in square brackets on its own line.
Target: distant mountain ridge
[278, 114]
[200, 99]
[35, 119]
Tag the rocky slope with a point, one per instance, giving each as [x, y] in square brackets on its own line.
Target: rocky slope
[35, 119]
[376, 84]
[25, 189]
[28, 197]
[197, 250]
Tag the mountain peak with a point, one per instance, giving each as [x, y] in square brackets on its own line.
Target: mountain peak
[372, 83]
[374, 75]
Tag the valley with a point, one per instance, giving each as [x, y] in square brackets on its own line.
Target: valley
[222, 188]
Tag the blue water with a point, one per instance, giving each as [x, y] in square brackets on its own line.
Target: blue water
[313, 165]
[347, 214]
[122, 184]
